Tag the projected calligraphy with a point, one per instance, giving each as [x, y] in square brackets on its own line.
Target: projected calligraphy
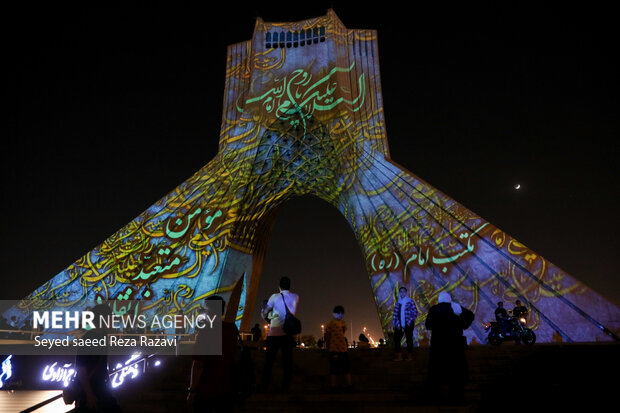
[309, 121]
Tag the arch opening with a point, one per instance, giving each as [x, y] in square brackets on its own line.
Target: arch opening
[313, 245]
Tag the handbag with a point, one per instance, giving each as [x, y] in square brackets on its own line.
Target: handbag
[292, 325]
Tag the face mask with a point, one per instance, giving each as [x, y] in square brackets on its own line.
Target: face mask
[338, 316]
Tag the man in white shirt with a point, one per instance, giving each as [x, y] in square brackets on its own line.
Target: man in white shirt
[275, 312]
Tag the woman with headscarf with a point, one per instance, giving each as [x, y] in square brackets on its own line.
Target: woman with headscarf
[447, 362]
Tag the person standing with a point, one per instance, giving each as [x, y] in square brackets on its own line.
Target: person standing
[447, 362]
[275, 311]
[212, 377]
[336, 344]
[403, 321]
[256, 332]
[92, 378]
[501, 316]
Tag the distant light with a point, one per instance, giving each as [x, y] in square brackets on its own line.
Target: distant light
[518, 186]
[157, 363]
[7, 370]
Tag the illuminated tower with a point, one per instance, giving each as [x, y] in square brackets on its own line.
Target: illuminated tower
[303, 114]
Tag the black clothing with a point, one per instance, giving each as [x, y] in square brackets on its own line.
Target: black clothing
[501, 314]
[275, 343]
[398, 336]
[218, 370]
[447, 361]
[520, 311]
[447, 327]
[338, 362]
[215, 388]
[98, 365]
[97, 369]
[256, 333]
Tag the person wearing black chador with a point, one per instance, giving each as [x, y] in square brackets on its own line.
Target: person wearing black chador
[447, 362]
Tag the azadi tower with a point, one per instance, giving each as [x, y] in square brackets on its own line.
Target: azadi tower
[303, 114]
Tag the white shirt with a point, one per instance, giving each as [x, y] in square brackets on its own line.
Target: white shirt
[276, 312]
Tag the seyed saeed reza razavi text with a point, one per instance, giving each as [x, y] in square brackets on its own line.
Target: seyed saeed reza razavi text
[86, 320]
[111, 341]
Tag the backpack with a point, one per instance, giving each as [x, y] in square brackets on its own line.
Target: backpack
[292, 325]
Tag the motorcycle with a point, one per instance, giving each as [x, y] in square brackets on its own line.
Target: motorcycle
[515, 329]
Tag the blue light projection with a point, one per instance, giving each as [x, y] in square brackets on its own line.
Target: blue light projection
[303, 114]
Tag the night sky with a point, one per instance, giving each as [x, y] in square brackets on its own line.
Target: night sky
[110, 109]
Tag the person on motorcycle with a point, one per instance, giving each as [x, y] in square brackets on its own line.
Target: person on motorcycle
[520, 310]
[500, 312]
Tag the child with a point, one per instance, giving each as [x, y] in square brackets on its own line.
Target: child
[336, 345]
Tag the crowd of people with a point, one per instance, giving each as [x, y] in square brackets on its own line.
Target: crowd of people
[504, 317]
[448, 371]
[216, 381]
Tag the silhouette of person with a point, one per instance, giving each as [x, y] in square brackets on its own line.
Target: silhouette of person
[256, 332]
[92, 372]
[403, 320]
[447, 362]
[500, 311]
[275, 311]
[501, 316]
[336, 344]
[211, 386]
[520, 310]
[362, 341]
